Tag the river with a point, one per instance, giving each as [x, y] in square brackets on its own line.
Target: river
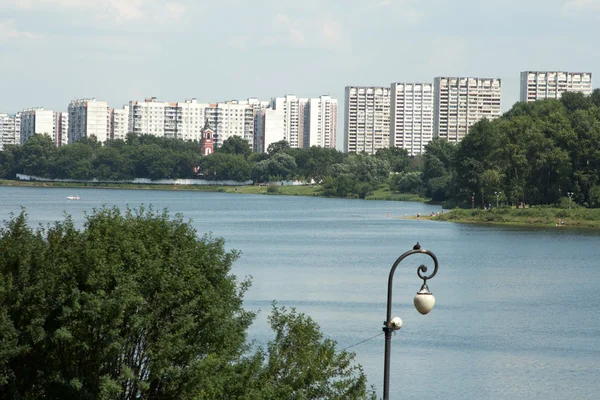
[516, 313]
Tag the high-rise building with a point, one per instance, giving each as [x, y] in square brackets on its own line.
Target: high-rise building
[460, 102]
[293, 111]
[148, 117]
[411, 124]
[191, 117]
[37, 121]
[320, 126]
[61, 128]
[539, 85]
[366, 119]
[231, 118]
[89, 117]
[10, 129]
[119, 123]
[274, 127]
[258, 115]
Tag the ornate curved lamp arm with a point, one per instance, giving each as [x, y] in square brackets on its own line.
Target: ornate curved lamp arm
[421, 270]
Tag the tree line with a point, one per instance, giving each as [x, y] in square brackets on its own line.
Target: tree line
[537, 153]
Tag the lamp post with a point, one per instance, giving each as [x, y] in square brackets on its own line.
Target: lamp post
[497, 195]
[423, 301]
[473, 201]
[570, 194]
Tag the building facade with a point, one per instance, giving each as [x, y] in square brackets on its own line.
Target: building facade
[460, 102]
[366, 119]
[320, 126]
[231, 118]
[10, 129]
[37, 121]
[89, 117]
[61, 128]
[119, 123]
[540, 85]
[411, 116]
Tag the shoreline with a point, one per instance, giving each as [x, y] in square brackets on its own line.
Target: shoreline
[545, 217]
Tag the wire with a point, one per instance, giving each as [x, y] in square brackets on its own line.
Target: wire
[366, 340]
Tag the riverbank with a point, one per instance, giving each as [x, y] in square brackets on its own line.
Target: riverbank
[383, 193]
[534, 216]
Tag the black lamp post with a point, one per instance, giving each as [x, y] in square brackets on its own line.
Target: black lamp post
[423, 301]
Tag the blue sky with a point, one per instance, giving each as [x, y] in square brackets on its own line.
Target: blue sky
[52, 51]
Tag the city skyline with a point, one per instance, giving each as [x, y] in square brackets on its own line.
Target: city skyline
[59, 50]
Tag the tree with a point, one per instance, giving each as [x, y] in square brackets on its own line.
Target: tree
[134, 306]
[235, 145]
[37, 155]
[137, 306]
[397, 158]
[300, 364]
[276, 147]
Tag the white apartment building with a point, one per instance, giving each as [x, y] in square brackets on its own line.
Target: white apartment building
[37, 121]
[148, 117]
[460, 102]
[274, 127]
[411, 123]
[293, 111]
[366, 119]
[539, 85]
[232, 118]
[89, 117]
[191, 116]
[61, 128]
[10, 129]
[119, 123]
[258, 112]
[321, 124]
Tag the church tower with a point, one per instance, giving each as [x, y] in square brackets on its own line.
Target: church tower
[207, 141]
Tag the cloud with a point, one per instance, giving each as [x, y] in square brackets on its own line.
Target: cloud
[578, 7]
[9, 31]
[295, 34]
[115, 11]
[308, 32]
[405, 9]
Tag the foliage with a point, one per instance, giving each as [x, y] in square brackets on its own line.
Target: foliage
[235, 145]
[137, 306]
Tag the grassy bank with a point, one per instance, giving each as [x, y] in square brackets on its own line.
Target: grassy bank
[383, 193]
[536, 216]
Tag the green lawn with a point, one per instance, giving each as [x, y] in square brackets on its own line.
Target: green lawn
[540, 216]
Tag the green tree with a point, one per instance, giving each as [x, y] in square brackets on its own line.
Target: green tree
[299, 363]
[276, 147]
[397, 158]
[136, 306]
[37, 156]
[235, 145]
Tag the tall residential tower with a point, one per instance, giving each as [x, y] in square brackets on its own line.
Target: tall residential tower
[411, 124]
[366, 119]
[460, 102]
[539, 85]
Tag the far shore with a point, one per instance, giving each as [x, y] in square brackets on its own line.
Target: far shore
[533, 216]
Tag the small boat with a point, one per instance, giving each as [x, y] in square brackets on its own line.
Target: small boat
[73, 197]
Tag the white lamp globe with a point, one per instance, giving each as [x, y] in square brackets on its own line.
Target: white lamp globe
[424, 300]
[396, 323]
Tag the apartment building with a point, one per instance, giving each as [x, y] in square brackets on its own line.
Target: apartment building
[119, 123]
[231, 118]
[366, 119]
[191, 117]
[61, 128]
[258, 112]
[10, 129]
[37, 121]
[148, 117]
[88, 117]
[540, 85]
[411, 120]
[320, 127]
[460, 102]
[293, 111]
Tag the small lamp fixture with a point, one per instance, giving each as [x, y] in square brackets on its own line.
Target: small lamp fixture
[424, 300]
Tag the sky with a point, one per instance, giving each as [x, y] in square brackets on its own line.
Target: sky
[53, 51]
